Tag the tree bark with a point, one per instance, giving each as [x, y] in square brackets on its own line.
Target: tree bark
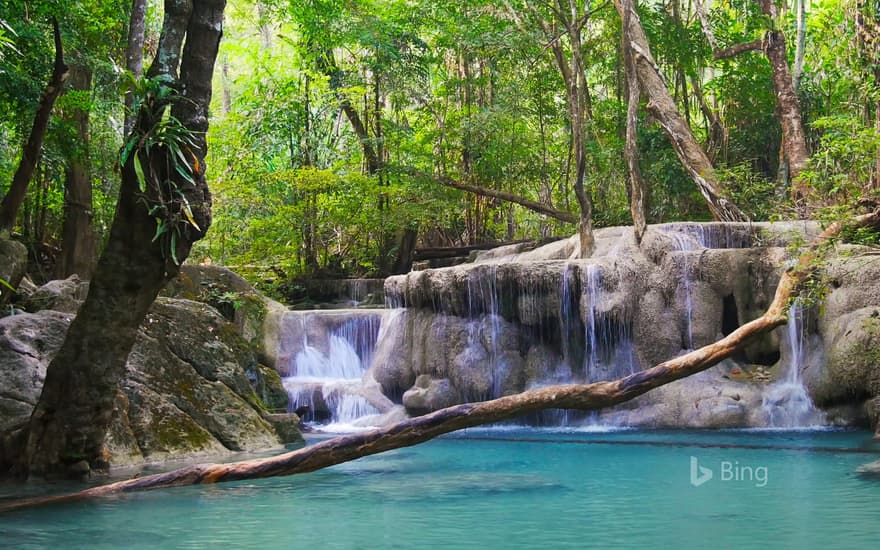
[418, 430]
[134, 56]
[637, 191]
[70, 421]
[662, 106]
[21, 179]
[788, 108]
[737, 49]
[77, 232]
[800, 43]
[534, 206]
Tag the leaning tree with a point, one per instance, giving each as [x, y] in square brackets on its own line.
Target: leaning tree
[164, 206]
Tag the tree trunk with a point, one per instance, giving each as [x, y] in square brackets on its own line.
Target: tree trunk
[327, 65]
[788, 108]
[77, 233]
[31, 153]
[70, 421]
[418, 430]
[134, 56]
[662, 106]
[800, 44]
[637, 190]
[406, 249]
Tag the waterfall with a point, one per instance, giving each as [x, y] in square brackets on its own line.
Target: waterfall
[594, 296]
[329, 356]
[483, 300]
[786, 402]
[687, 243]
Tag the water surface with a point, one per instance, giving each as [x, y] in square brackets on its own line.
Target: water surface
[504, 488]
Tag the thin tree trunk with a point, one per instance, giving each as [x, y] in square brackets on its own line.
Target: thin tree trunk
[69, 423]
[788, 107]
[877, 131]
[662, 106]
[226, 87]
[800, 43]
[134, 56]
[31, 153]
[413, 431]
[77, 233]
[637, 191]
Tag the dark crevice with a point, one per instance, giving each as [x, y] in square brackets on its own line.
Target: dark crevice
[730, 322]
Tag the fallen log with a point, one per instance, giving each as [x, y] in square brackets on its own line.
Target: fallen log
[423, 428]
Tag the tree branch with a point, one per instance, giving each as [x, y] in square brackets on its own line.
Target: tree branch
[736, 49]
[534, 206]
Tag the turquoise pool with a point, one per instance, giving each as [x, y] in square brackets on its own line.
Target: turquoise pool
[504, 488]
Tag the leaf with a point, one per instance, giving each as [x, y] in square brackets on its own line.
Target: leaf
[161, 228]
[4, 282]
[174, 247]
[129, 147]
[183, 173]
[180, 155]
[189, 215]
[139, 171]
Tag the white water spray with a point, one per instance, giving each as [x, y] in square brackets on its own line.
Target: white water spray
[786, 402]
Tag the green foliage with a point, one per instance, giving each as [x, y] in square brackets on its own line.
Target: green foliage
[844, 161]
[754, 193]
[467, 90]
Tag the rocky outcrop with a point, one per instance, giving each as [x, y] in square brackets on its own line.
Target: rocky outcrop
[186, 392]
[518, 318]
[429, 394]
[13, 264]
[256, 317]
[64, 295]
[849, 335]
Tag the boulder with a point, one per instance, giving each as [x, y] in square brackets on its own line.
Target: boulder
[852, 351]
[65, 295]
[429, 394]
[256, 317]
[13, 265]
[186, 391]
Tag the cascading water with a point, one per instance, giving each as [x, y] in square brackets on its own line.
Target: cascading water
[608, 342]
[691, 237]
[687, 243]
[327, 376]
[594, 295]
[786, 402]
[484, 300]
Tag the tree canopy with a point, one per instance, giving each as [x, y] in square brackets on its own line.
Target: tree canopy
[339, 125]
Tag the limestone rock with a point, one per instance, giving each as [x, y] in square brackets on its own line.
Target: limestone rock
[13, 265]
[185, 393]
[255, 316]
[65, 295]
[429, 394]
